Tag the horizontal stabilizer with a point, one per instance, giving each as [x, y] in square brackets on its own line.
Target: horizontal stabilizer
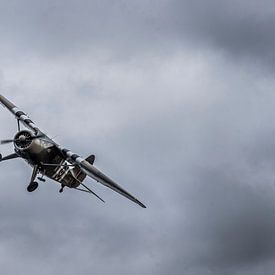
[78, 173]
[91, 159]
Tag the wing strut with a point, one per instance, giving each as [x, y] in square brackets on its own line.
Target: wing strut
[86, 187]
[90, 191]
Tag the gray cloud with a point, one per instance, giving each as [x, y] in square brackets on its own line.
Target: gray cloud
[241, 28]
[54, 29]
[157, 91]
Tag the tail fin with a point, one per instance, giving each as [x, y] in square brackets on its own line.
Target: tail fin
[91, 159]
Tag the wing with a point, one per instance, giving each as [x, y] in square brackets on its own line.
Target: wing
[19, 114]
[97, 175]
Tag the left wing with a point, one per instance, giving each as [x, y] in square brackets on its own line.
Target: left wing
[19, 114]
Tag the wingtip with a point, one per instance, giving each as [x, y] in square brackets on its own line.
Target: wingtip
[141, 204]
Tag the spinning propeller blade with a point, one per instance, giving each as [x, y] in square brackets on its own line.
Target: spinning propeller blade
[6, 141]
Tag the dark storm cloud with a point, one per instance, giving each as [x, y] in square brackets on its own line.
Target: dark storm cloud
[230, 225]
[156, 90]
[222, 215]
[242, 28]
[56, 28]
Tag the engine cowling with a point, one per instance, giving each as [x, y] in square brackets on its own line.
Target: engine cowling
[23, 140]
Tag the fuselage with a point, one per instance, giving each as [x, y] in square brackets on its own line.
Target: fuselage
[49, 159]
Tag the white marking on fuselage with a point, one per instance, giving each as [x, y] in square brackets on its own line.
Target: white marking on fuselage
[58, 169]
[67, 169]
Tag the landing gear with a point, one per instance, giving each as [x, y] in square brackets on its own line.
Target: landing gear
[41, 179]
[62, 188]
[33, 184]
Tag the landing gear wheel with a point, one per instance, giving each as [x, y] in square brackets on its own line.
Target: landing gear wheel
[32, 186]
[62, 188]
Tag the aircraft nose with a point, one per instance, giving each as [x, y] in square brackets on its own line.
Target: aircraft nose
[22, 138]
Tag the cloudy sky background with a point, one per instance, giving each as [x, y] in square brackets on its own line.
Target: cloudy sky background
[176, 100]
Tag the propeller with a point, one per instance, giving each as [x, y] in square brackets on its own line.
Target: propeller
[5, 141]
[21, 138]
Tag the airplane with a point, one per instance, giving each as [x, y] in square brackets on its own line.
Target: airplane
[51, 160]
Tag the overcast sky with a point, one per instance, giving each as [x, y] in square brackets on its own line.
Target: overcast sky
[176, 100]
